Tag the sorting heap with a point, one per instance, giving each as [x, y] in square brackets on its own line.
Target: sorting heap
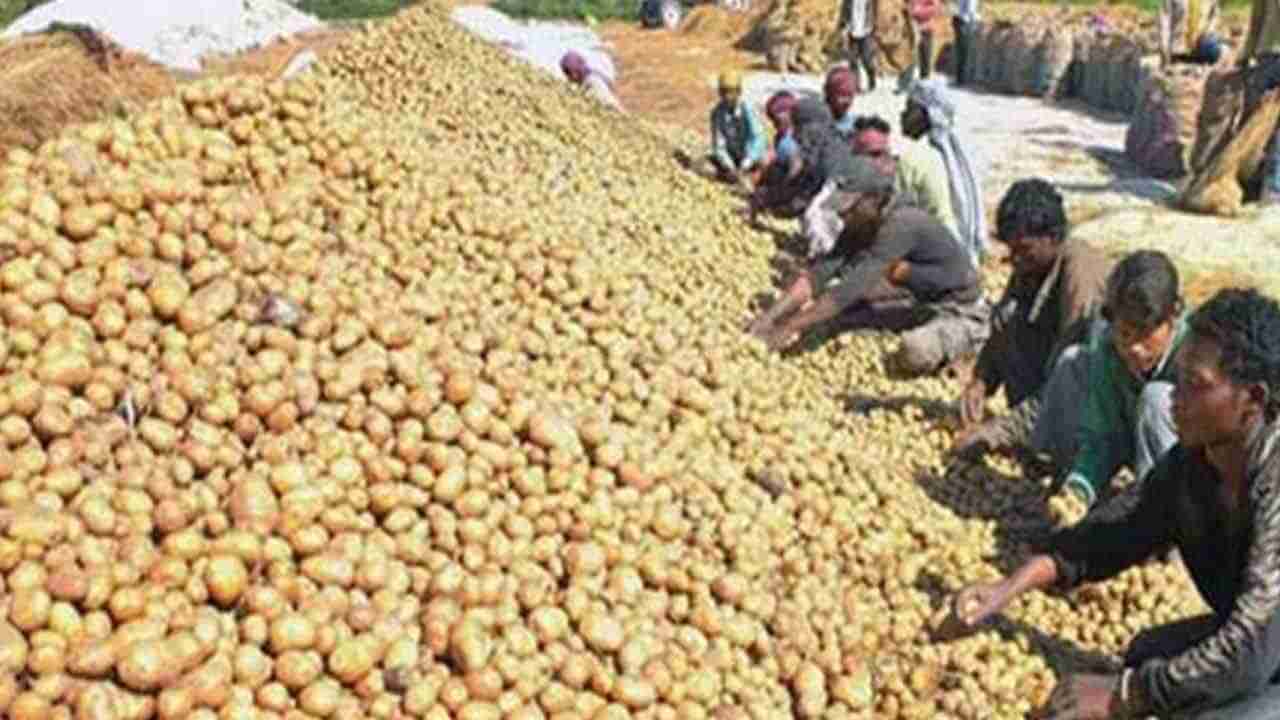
[416, 387]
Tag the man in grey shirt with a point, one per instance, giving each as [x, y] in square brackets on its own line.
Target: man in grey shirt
[857, 24]
[894, 268]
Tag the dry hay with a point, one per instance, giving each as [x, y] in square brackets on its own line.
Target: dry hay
[711, 21]
[57, 79]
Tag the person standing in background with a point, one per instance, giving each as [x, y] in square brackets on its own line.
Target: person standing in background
[1262, 44]
[964, 20]
[857, 24]
[919, 15]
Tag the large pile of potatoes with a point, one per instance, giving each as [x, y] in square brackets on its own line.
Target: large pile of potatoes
[416, 388]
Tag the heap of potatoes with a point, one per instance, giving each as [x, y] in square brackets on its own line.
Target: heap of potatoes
[416, 388]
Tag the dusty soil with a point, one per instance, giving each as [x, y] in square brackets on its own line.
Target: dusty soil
[662, 75]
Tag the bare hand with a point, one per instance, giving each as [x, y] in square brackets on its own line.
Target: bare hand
[973, 403]
[761, 326]
[969, 444]
[781, 338]
[1083, 697]
[977, 603]
[899, 272]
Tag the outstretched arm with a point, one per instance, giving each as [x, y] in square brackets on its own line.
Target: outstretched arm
[799, 294]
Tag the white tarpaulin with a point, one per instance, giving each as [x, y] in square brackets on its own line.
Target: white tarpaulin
[175, 33]
[539, 43]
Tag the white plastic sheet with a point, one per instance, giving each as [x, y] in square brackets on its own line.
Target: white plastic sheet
[541, 44]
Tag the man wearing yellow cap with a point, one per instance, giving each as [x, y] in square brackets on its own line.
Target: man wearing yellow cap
[738, 142]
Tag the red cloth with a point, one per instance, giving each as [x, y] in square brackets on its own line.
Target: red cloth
[867, 142]
[923, 11]
[782, 102]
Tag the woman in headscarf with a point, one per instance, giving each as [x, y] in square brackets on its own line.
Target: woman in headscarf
[785, 163]
[929, 112]
[575, 67]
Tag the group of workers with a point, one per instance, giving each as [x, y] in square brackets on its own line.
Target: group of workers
[1103, 365]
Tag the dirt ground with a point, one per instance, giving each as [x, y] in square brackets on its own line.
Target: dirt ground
[662, 75]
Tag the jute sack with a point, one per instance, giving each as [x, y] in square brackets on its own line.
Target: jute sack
[1082, 45]
[1094, 82]
[1121, 75]
[1014, 71]
[997, 47]
[975, 53]
[1229, 95]
[1163, 129]
[1219, 188]
[1052, 63]
[1018, 57]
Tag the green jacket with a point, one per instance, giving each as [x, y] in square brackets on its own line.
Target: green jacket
[1110, 412]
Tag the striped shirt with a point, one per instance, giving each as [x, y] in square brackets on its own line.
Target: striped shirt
[1232, 555]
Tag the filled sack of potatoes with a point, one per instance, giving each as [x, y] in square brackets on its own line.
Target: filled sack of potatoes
[1219, 189]
[1163, 129]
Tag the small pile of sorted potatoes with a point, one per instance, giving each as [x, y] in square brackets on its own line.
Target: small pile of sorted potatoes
[416, 387]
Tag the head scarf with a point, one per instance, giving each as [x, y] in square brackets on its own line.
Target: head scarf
[966, 190]
[840, 81]
[574, 64]
[870, 140]
[781, 103]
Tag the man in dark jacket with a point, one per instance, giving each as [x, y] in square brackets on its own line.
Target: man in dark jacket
[1215, 496]
[1046, 308]
[894, 268]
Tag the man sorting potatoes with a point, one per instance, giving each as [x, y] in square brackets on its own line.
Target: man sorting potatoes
[1106, 402]
[895, 268]
[1046, 310]
[1215, 497]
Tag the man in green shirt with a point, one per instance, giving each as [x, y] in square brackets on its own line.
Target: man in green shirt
[1124, 375]
[1262, 45]
[1215, 497]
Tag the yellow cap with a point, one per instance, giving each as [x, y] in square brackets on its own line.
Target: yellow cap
[730, 80]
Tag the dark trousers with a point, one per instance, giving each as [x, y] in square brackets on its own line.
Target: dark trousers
[862, 51]
[962, 49]
[924, 50]
[1166, 641]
